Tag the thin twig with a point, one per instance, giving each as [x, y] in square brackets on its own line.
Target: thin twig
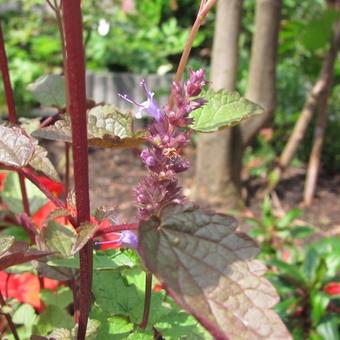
[147, 300]
[9, 318]
[205, 7]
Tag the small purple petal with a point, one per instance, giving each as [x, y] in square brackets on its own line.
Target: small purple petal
[129, 239]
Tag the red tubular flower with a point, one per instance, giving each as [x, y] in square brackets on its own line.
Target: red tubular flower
[56, 189]
[2, 180]
[24, 287]
[332, 288]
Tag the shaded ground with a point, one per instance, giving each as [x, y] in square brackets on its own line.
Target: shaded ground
[114, 173]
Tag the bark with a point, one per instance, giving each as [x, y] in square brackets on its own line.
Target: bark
[214, 175]
[310, 106]
[261, 87]
[319, 133]
[314, 160]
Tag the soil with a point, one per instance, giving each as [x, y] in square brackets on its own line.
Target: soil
[114, 173]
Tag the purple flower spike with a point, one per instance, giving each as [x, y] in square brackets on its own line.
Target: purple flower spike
[150, 105]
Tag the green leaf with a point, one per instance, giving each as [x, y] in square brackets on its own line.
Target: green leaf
[319, 302]
[319, 31]
[19, 233]
[111, 327]
[100, 262]
[61, 334]
[311, 264]
[299, 232]
[52, 318]
[329, 329]
[180, 325]
[223, 109]
[91, 330]
[209, 270]
[107, 128]
[141, 335]
[49, 90]
[25, 315]
[113, 294]
[11, 195]
[61, 298]
[59, 238]
[5, 243]
[288, 270]
[41, 163]
[289, 217]
[16, 147]
[84, 233]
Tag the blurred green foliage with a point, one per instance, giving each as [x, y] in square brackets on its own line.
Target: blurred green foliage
[304, 272]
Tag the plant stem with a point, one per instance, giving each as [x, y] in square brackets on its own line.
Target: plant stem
[147, 300]
[67, 168]
[12, 116]
[202, 13]
[9, 319]
[75, 70]
[117, 229]
[24, 172]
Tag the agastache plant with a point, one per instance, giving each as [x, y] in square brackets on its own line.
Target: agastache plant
[199, 258]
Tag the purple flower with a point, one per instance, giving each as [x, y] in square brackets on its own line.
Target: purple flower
[129, 239]
[150, 105]
[126, 238]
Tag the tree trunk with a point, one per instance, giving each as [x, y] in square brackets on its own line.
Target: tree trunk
[261, 87]
[215, 178]
[309, 108]
[319, 132]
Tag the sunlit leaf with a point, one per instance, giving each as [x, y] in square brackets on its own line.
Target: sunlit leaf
[49, 90]
[91, 330]
[6, 242]
[11, 195]
[16, 147]
[84, 233]
[209, 270]
[223, 109]
[107, 128]
[59, 238]
[40, 162]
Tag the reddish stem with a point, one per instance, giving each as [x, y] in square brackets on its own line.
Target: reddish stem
[147, 300]
[12, 116]
[75, 70]
[25, 200]
[116, 229]
[27, 173]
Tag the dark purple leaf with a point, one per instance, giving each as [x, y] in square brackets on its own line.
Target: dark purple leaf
[209, 270]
